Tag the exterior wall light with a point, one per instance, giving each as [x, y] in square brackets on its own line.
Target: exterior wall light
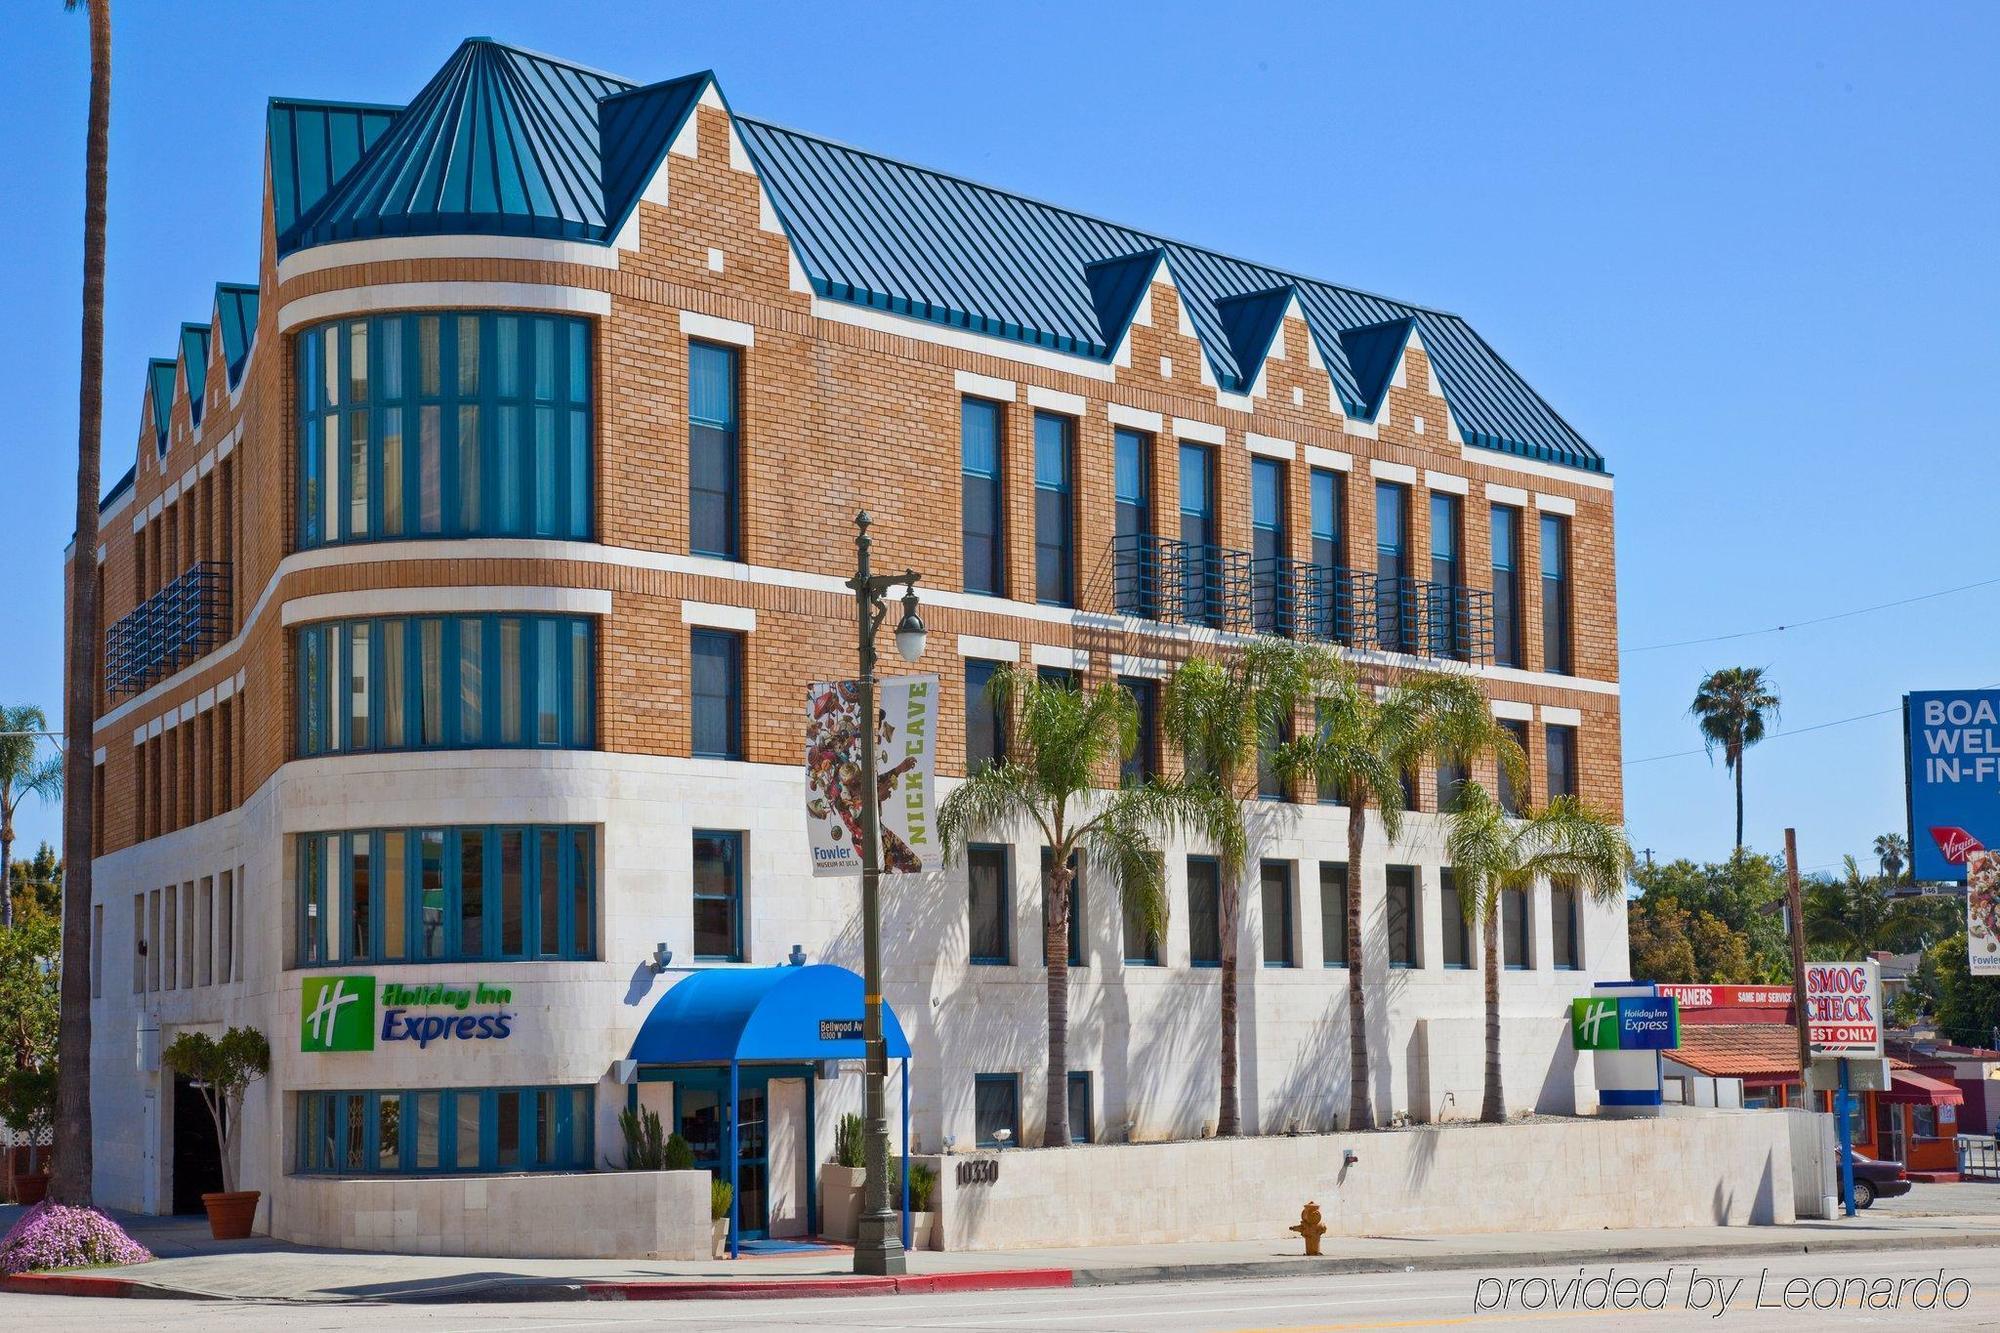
[797, 957]
[910, 633]
[662, 956]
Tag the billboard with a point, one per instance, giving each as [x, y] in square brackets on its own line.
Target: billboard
[1982, 913]
[1951, 757]
[906, 709]
[1844, 1009]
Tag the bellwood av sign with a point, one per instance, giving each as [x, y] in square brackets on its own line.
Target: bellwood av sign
[338, 1013]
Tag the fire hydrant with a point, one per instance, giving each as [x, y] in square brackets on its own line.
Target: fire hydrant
[1310, 1227]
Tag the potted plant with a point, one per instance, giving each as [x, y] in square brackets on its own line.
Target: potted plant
[221, 1070]
[645, 1145]
[840, 1182]
[923, 1197]
[718, 1211]
[28, 1105]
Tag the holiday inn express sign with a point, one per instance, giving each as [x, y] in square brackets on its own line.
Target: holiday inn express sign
[1624, 1023]
[338, 1013]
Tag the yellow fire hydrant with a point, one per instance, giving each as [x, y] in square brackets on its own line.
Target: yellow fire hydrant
[1310, 1227]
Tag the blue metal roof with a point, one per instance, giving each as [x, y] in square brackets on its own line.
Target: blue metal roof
[236, 321]
[758, 1013]
[1373, 353]
[194, 356]
[118, 488]
[636, 129]
[160, 384]
[314, 144]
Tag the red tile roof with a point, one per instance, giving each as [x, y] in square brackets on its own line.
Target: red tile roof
[1754, 1051]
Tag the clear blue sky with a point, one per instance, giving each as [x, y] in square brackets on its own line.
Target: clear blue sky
[1746, 249]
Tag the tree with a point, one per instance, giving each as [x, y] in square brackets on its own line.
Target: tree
[1731, 706]
[1493, 854]
[24, 772]
[29, 995]
[1361, 749]
[1062, 739]
[1744, 895]
[1892, 853]
[71, 1183]
[37, 886]
[1221, 716]
[1671, 943]
[221, 1070]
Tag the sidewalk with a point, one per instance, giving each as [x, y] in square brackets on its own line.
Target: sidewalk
[192, 1266]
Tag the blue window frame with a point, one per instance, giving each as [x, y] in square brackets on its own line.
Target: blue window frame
[1457, 930]
[714, 465]
[1132, 487]
[1077, 1087]
[1506, 560]
[445, 682]
[996, 1105]
[1514, 930]
[718, 896]
[1403, 920]
[715, 659]
[1566, 952]
[1275, 884]
[1514, 797]
[1269, 602]
[1559, 741]
[1139, 942]
[1333, 913]
[1327, 498]
[1555, 595]
[471, 893]
[985, 727]
[990, 905]
[1204, 890]
[1077, 956]
[982, 493]
[435, 1131]
[1392, 561]
[1447, 542]
[1055, 516]
[1201, 594]
[1144, 761]
[444, 424]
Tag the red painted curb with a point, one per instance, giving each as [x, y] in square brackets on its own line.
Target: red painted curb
[913, 1284]
[66, 1284]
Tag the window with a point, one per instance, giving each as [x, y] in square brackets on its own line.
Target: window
[1451, 916]
[1078, 1088]
[1566, 955]
[1555, 594]
[981, 497]
[1141, 943]
[521, 681]
[1515, 796]
[444, 425]
[716, 659]
[1447, 540]
[1560, 742]
[1270, 782]
[985, 727]
[1275, 881]
[1077, 957]
[718, 896]
[470, 893]
[1403, 921]
[1055, 518]
[1064, 678]
[1392, 534]
[1514, 929]
[1144, 761]
[1201, 591]
[1333, 913]
[996, 1106]
[444, 1130]
[1136, 573]
[225, 945]
[1507, 586]
[1204, 889]
[990, 904]
[1270, 588]
[1451, 777]
[97, 954]
[714, 467]
[1331, 615]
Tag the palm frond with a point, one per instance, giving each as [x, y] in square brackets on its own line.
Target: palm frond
[985, 804]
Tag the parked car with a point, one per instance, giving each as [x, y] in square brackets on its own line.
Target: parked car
[1877, 1179]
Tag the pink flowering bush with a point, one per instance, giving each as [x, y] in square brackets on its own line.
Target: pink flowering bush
[54, 1235]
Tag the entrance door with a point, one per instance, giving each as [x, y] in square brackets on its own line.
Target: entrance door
[197, 1151]
[1889, 1131]
[700, 1098]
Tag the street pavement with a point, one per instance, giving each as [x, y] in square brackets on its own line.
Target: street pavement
[1725, 1293]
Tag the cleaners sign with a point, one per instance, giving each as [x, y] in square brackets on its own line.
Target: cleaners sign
[905, 759]
[1844, 1009]
[339, 1013]
[1951, 750]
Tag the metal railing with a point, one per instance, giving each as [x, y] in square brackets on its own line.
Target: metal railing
[1978, 1157]
[1181, 582]
[176, 626]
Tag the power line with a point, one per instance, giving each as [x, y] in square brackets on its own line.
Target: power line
[1791, 731]
[1816, 620]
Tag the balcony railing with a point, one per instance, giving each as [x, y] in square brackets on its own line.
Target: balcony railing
[1182, 583]
[176, 626]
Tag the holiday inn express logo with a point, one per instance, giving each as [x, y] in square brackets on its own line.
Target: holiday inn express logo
[337, 1014]
[1594, 1024]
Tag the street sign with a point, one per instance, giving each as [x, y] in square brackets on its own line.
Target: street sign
[1844, 1009]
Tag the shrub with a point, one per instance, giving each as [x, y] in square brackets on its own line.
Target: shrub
[923, 1187]
[680, 1157]
[849, 1143]
[643, 1148]
[54, 1235]
[718, 1199]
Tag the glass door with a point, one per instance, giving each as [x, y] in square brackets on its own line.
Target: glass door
[699, 1099]
[1888, 1130]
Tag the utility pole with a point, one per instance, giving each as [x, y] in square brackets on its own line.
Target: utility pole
[1797, 913]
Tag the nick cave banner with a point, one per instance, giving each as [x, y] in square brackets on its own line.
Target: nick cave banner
[905, 760]
[1952, 753]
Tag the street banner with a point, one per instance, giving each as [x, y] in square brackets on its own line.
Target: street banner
[905, 764]
[1951, 759]
[1982, 912]
[1844, 1009]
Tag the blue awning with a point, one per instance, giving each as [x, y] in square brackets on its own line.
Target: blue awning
[761, 1013]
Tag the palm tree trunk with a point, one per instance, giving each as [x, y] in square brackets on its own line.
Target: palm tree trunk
[1360, 1097]
[6, 872]
[74, 1167]
[1228, 1116]
[1739, 801]
[1055, 947]
[1493, 1109]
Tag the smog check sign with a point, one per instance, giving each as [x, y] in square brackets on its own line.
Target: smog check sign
[1844, 1009]
[339, 1013]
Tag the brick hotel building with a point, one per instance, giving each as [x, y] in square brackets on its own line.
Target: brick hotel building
[461, 602]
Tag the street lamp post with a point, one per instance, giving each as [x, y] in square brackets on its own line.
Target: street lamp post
[878, 1245]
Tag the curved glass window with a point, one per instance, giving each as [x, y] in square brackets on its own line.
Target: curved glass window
[445, 682]
[435, 1131]
[444, 425]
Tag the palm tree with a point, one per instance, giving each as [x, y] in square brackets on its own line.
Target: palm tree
[1221, 715]
[1062, 739]
[1731, 706]
[1493, 854]
[22, 774]
[1360, 751]
[1892, 853]
[74, 1166]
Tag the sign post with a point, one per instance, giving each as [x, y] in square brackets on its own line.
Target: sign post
[1843, 1020]
[1846, 1142]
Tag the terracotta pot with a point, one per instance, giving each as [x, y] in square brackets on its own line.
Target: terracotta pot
[230, 1215]
[31, 1189]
